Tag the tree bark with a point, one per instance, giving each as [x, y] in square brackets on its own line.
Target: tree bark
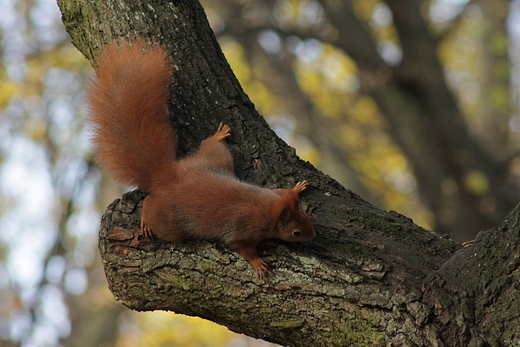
[370, 278]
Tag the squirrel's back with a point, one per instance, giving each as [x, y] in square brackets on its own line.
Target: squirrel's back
[127, 100]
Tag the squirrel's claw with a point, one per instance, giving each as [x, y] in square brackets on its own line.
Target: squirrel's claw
[261, 268]
[147, 231]
[300, 186]
[223, 132]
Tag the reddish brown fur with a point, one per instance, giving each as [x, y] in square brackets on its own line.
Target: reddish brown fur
[128, 105]
[196, 197]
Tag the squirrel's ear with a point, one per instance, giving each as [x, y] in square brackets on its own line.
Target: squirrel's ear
[283, 220]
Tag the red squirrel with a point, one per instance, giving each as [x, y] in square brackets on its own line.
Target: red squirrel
[193, 197]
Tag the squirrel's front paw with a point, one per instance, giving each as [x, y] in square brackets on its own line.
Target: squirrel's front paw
[261, 268]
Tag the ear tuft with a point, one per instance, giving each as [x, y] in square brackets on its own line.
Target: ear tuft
[284, 217]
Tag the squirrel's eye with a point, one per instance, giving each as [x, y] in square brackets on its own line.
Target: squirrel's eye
[297, 233]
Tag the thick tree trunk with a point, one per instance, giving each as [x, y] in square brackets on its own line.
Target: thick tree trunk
[370, 278]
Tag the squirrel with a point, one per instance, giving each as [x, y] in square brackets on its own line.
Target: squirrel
[194, 197]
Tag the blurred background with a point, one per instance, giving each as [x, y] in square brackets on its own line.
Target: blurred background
[413, 105]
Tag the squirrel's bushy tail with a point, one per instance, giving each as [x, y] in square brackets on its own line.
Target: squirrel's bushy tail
[128, 107]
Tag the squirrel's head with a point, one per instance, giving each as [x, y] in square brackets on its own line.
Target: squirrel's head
[295, 226]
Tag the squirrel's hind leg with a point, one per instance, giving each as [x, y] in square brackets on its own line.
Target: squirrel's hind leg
[223, 132]
[215, 153]
[158, 220]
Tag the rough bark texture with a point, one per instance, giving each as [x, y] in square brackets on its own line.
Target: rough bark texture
[370, 278]
[359, 284]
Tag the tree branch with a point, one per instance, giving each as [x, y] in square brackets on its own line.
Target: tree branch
[342, 289]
